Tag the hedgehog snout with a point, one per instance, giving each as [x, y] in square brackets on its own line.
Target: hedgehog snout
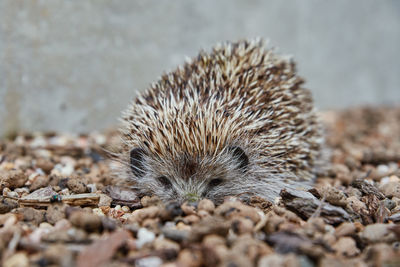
[192, 197]
[192, 190]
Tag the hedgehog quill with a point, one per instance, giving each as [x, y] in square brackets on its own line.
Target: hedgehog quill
[233, 121]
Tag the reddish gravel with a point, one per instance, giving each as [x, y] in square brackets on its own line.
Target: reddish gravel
[61, 206]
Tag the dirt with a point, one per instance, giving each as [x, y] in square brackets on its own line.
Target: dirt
[62, 206]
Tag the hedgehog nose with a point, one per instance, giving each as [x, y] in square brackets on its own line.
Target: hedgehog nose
[192, 197]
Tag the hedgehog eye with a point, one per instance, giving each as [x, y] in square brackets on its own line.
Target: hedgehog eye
[165, 182]
[240, 156]
[215, 182]
[136, 161]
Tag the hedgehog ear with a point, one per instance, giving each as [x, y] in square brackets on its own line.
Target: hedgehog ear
[136, 161]
[240, 156]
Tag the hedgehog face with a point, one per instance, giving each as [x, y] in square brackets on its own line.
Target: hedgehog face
[189, 177]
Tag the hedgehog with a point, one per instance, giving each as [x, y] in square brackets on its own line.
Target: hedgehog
[234, 121]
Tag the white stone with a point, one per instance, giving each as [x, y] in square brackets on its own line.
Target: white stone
[144, 236]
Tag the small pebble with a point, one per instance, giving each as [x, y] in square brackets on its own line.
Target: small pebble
[242, 225]
[203, 213]
[250, 248]
[356, 205]
[389, 204]
[382, 170]
[144, 213]
[125, 209]
[38, 182]
[206, 205]
[163, 243]
[66, 170]
[170, 211]
[53, 252]
[77, 186]
[346, 246]
[148, 201]
[74, 235]
[12, 194]
[7, 204]
[55, 213]
[88, 221]
[149, 261]
[38, 141]
[230, 209]
[98, 212]
[191, 219]
[12, 179]
[183, 226]
[22, 163]
[233, 259]
[329, 239]
[144, 236]
[188, 209]
[391, 189]
[45, 164]
[190, 258]
[175, 234]
[213, 241]
[345, 229]
[92, 188]
[378, 232]
[334, 196]
[37, 235]
[105, 201]
[31, 215]
[22, 191]
[19, 259]
[152, 224]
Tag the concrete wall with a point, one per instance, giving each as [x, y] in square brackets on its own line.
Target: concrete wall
[74, 65]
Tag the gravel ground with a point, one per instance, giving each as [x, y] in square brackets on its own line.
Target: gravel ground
[60, 206]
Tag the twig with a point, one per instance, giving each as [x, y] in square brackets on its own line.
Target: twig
[73, 200]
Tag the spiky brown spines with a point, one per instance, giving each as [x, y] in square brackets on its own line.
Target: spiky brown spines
[239, 95]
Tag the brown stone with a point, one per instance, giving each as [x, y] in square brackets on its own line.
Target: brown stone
[55, 213]
[77, 186]
[188, 209]
[31, 215]
[45, 164]
[206, 205]
[346, 246]
[87, 221]
[39, 181]
[391, 189]
[12, 179]
[345, 229]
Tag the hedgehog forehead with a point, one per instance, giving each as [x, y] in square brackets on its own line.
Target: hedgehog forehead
[188, 168]
[191, 168]
[192, 130]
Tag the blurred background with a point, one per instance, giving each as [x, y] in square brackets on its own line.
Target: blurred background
[74, 65]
